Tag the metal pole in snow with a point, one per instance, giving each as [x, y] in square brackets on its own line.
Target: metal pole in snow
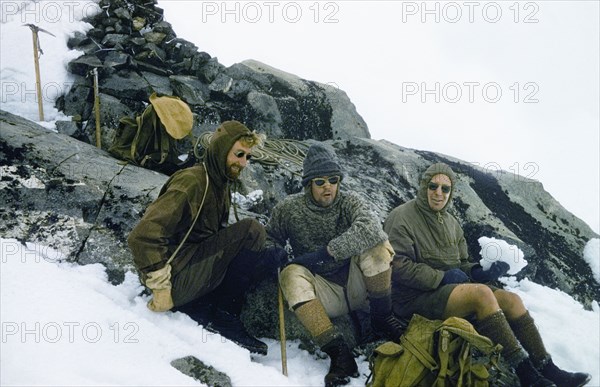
[37, 51]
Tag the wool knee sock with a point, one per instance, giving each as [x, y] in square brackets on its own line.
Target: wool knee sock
[313, 317]
[496, 327]
[529, 336]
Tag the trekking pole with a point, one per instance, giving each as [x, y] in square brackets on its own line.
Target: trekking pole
[37, 51]
[97, 108]
[282, 328]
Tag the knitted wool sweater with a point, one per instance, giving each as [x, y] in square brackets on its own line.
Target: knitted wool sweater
[348, 227]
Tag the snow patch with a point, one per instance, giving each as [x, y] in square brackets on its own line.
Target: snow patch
[591, 254]
[493, 250]
[248, 201]
[10, 172]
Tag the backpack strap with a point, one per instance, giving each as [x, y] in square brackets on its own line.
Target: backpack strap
[423, 355]
[195, 218]
[140, 123]
[454, 358]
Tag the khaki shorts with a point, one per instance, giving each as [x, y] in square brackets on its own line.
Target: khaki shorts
[431, 305]
[300, 285]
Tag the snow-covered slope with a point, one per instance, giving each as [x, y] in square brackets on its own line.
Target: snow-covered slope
[65, 324]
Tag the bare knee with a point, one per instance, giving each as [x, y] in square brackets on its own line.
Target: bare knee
[468, 299]
[510, 303]
[484, 300]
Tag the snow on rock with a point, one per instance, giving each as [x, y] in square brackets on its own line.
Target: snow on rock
[591, 254]
[248, 201]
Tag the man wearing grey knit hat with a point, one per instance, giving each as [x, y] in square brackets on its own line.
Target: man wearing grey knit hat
[341, 262]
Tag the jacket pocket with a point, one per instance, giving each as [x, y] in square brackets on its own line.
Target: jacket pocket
[442, 258]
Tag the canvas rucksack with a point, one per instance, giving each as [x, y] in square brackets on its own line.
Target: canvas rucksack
[433, 353]
[150, 139]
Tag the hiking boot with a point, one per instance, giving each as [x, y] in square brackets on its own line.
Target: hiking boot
[231, 327]
[564, 378]
[389, 327]
[343, 366]
[198, 310]
[529, 376]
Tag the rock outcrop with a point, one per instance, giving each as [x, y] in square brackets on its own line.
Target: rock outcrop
[136, 53]
[78, 199]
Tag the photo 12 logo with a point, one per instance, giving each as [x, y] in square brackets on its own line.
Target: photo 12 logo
[21, 91]
[469, 11]
[269, 11]
[46, 11]
[469, 91]
[68, 331]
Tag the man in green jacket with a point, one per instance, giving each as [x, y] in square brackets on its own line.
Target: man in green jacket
[432, 276]
[342, 258]
[211, 271]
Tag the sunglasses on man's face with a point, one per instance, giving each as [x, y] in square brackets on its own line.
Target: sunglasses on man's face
[239, 154]
[445, 188]
[320, 181]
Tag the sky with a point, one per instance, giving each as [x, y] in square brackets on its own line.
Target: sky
[501, 84]
[65, 324]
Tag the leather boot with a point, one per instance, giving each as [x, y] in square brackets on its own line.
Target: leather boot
[342, 366]
[529, 376]
[564, 378]
[314, 318]
[230, 326]
[383, 321]
[228, 299]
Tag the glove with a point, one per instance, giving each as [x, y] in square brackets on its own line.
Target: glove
[312, 260]
[159, 282]
[275, 257]
[497, 270]
[454, 276]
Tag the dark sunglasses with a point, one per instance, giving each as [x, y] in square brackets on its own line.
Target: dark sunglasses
[445, 188]
[320, 181]
[239, 154]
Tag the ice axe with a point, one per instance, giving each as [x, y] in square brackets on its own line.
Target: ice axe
[282, 327]
[37, 51]
[94, 72]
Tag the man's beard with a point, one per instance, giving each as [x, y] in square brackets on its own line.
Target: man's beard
[234, 170]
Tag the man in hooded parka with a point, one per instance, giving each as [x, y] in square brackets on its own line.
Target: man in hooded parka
[216, 265]
[432, 276]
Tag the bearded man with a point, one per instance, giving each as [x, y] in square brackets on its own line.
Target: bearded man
[211, 271]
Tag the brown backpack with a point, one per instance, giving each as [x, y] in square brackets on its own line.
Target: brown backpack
[146, 141]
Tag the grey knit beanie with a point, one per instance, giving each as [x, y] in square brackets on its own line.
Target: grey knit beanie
[320, 161]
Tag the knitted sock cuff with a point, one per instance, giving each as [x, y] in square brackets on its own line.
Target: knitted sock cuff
[496, 327]
[314, 318]
[379, 285]
[327, 337]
